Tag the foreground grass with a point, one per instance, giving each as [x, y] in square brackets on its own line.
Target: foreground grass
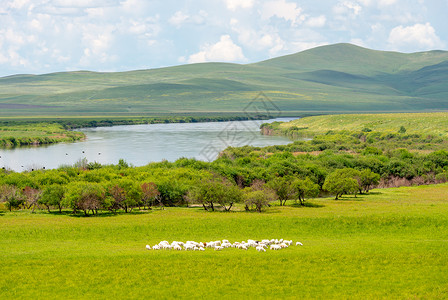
[389, 244]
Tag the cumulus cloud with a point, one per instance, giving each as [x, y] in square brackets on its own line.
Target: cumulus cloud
[283, 10]
[316, 21]
[421, 36]
[180, 18]
[235, 4]
[347, 8]
[225, 50]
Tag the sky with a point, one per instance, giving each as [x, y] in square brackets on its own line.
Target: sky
[44, 36]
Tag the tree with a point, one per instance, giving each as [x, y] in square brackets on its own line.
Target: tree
[339, 182]
[31, 196]
[85, 196]
[258, 195]
[215, 190]
[149, 193]
[368, 179]
[12, 196]
[304, 188]
[53, 195]
[282, 187]
[126, 194]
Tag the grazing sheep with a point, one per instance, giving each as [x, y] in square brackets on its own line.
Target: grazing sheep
[226, 245]
[260, 249]
[283, 245]
[274, 244]
[188, 247]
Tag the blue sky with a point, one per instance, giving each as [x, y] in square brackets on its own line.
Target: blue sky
[42, 36]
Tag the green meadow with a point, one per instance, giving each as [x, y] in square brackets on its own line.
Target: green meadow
[35, 134]
[389, 244]
[435, 124]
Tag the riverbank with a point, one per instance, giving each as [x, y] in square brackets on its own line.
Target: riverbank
[36, 134]
[424, 124]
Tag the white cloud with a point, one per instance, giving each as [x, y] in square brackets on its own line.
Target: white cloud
[233, 5]
[81, 3]
[284, 10]
[316, 21]
[380, 3]
[386, 2]
[421, 36]
[178, 18]
[18, 4]
[347, 8]
[224, 50]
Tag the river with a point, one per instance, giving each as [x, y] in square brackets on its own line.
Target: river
[139, 145]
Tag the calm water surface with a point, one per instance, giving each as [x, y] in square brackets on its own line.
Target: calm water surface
[142, 144]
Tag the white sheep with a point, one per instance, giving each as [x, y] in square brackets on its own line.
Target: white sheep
[260, 249]
[275, 247]
[299, 244]
[188, 247]
[218, 248]
[148, 247]
[177, 247]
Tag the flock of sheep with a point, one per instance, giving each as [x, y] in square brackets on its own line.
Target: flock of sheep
[260, 246]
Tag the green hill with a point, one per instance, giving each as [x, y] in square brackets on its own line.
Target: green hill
[334, 78]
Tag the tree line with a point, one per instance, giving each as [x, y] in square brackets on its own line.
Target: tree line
[252, 176]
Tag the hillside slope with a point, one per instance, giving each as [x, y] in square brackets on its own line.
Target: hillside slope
[334, 78]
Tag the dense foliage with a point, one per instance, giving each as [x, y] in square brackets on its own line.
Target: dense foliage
[335, 163]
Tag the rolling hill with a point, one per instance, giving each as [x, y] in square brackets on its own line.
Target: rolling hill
[334, 78]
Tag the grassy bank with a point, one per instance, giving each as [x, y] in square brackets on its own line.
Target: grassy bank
[389, 244]
[413, 123]
[13, 135]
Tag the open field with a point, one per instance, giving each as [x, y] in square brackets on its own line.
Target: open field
[389, 244]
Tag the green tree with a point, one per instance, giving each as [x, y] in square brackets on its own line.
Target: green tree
[215, 190]
[53, 195]
[85, 196]
[368, 179]
[12, 196]
[126, 194]
[304, 188]
[340, 182]
[258, 195]
[282, 187]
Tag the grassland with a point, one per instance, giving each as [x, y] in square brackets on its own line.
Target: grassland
[419, 123]
[36, 134]
[391, 244]
[334, 78]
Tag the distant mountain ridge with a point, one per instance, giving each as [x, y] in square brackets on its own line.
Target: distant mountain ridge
[333, 78]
